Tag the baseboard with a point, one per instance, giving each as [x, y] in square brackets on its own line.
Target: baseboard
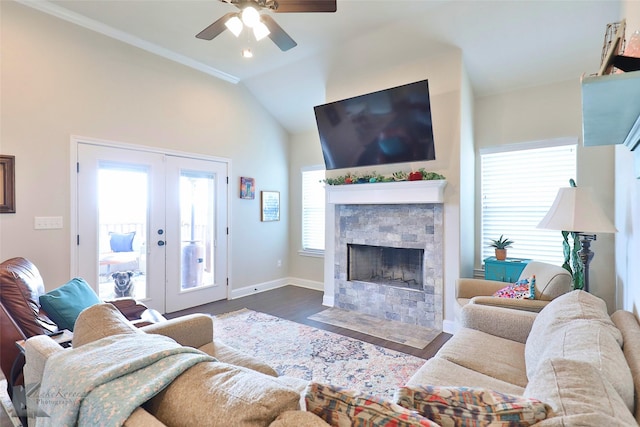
[304, 283]
[275, 284]
[258, 287]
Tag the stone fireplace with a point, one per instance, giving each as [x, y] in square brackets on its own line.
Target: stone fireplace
[385, 250]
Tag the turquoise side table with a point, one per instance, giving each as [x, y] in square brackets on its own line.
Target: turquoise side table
[508, 270]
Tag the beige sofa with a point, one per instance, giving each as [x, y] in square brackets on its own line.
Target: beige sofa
[572, 355]
[236, 387]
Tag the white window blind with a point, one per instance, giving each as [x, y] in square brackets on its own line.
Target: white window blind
[518, 188]
[313, 209]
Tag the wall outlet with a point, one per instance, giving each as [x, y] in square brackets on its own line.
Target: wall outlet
[47, 222]
[279, 263]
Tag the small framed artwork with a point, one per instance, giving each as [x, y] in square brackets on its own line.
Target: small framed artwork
[247, 188]
[270, 205]
[7, 184]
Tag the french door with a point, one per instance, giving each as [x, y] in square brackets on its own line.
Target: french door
[152, 226]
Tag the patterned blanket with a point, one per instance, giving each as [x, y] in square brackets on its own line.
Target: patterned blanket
[103, 382]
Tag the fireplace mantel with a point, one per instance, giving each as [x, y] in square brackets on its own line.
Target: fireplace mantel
[400, 192]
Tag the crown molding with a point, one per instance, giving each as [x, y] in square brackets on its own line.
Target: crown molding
[93, 25]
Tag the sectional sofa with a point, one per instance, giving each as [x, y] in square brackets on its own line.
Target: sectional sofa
[571, 364]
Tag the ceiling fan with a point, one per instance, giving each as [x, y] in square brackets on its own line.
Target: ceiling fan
[263, 24]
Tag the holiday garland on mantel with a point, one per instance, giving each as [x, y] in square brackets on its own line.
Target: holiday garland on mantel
[353, 178]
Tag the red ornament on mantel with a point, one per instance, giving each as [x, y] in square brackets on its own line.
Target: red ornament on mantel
[415, 176]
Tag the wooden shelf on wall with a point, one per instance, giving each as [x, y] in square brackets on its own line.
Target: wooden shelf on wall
[611, 110]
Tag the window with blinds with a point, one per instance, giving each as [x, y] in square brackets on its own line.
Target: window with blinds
[313, 209]
[519, 185]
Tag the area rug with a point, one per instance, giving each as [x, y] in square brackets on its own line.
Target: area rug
[312, 354]
[390, 330]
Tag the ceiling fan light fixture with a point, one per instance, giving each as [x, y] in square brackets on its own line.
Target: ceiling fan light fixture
[250, 16]
[246, 53]
[234, 25]
[260, 31]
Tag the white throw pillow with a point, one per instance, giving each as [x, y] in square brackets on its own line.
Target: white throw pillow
[576, 389]
[576, 305]
[217, 394]
[99, 321]
[590, 342]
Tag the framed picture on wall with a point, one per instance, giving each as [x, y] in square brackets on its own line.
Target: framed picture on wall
[247, 188]
[7, 184]
[270, 205]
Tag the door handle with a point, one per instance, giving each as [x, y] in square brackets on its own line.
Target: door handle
[161, 242]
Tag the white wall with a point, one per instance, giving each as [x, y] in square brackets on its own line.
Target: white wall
[627, 197]
[304, 150]
[467, 178]
[59, 79]
[548, 112]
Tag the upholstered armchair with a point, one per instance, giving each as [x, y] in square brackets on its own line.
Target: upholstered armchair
[22, 316]
[551, 282]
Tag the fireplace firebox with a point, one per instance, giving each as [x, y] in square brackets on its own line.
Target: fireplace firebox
[385, 265]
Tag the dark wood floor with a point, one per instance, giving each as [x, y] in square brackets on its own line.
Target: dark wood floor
[297, 304]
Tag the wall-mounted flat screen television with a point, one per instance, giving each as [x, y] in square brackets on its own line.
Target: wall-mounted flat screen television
[383, 127]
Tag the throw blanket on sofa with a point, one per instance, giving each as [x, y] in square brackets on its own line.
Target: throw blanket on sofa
[103, 382]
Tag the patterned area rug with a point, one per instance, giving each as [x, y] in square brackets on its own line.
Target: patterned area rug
[413, 336]
[312, 354]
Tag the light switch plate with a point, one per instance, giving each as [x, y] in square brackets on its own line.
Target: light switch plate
[47, 222]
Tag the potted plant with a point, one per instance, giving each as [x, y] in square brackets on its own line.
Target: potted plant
[501, 246]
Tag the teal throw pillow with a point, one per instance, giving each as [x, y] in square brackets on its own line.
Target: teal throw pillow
[64, 304]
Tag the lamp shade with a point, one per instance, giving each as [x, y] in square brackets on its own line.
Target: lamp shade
[574, 209]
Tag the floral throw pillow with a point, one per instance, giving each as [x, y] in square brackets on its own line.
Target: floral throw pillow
[522, 289]
[341, 407]
[472, 407]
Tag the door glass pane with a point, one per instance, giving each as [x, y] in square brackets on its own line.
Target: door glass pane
[122, 239]
[197, 220]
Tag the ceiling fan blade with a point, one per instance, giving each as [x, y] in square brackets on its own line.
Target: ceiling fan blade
[278, 35]
[216, 28]
[289, 6]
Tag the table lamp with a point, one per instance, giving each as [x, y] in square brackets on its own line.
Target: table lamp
[575, 210]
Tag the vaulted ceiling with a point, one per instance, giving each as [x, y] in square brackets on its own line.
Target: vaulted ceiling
[505, 45]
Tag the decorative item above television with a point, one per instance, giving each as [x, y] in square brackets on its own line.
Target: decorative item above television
[383, 127]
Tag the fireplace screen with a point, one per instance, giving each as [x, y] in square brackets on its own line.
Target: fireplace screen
[384, 265]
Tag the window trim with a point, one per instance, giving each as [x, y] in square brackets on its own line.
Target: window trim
[315, 253]
[506, 148]
[530, 145]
